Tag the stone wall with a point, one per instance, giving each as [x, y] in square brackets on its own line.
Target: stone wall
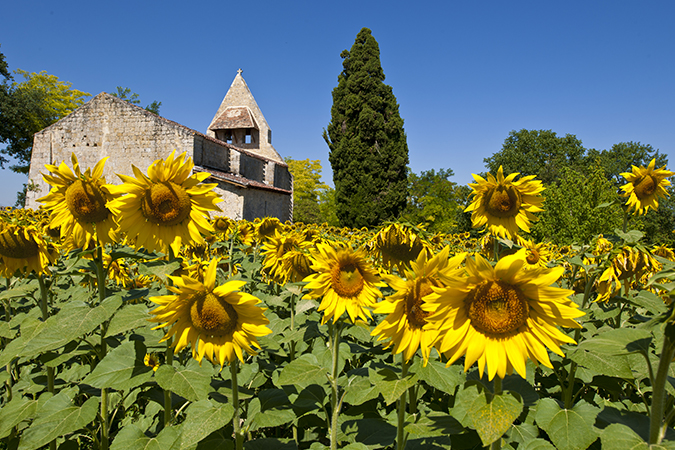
[106, 127]
[109, 127]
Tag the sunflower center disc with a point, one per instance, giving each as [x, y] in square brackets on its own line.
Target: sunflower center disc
[347, 280]
[503, 201]
[222, 224]
[301, 264]
[416, 315]
[15, 245]
[166, 204]
[86, 202]
[646, 187]
[532, 256]
[496, 307]
[213, 315]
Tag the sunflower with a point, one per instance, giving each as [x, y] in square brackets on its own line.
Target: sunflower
[404, 324]
[630, 265]
[664, 252]
[645, 186]
[152, 360]
[23, 249]
[246, 232]
[535, 255]
[398, 245]
[500, 316]
[275, 249]
[218, 322]
[602, 246]
[503, 205]
[167, 207]
[77, 203]
[344, 281]
[267, 227]
[298, 265]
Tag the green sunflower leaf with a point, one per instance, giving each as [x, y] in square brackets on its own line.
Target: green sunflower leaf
[569, 429]
[75, 320]
[303, 372]
[122, 368]
[159, 268]
[390, 385]
[618, 435]
[18, 410]
[493, 415]
[57, 417]
[132, 437]
[127, 318]
[191, 383]
[602, 363]
[539, 444]
[203, 418]
[435, 374]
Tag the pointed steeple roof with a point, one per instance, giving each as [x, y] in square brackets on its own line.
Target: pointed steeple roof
[239, 110]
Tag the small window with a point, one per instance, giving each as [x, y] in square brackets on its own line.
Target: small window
[269, 136]
[247, 139]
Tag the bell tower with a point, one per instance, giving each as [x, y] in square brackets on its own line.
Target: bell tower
[240, 122]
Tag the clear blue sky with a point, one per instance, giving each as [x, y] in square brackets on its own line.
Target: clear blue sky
[465, 73]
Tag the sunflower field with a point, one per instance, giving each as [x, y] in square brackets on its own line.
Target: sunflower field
[135, 317]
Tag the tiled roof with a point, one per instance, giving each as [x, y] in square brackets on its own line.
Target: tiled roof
[234, 117]
[239, 180]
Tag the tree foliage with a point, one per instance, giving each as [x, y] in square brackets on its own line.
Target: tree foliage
[132, 97]
[368, 149]
[538, 152]
[622, 156]
[578, 207]
[432, 200]
[307, 187]
[28, 107]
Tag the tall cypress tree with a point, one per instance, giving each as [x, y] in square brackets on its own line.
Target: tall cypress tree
[368, 148]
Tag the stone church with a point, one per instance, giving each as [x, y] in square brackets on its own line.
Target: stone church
[252, 179]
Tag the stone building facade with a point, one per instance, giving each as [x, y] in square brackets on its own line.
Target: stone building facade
[252, 179]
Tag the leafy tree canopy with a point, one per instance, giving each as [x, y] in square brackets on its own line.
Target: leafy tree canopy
[132, 97]
[578, 207]
[368, 149]
[307, 188]
[622, 156]
[433, 200]
[28, 107]
[4, 68]
[537, 152]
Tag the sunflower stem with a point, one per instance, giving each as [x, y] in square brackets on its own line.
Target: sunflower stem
[497, 445]
[335, 330]
[168, 409]
[293, 302]
[569, 389]
[238, 436]
[44, 298]
[401, 436]
[657, 427]
[100, 282]
[625, 219]
[292, 358]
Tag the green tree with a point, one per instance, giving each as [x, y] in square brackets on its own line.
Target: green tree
[328, 207]
[4, 68]
[132, 97]
[432, 200]
[622, 156]
[307, 187]
[368, 149]
[538, 152]
[578, 207]
[28, 107]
